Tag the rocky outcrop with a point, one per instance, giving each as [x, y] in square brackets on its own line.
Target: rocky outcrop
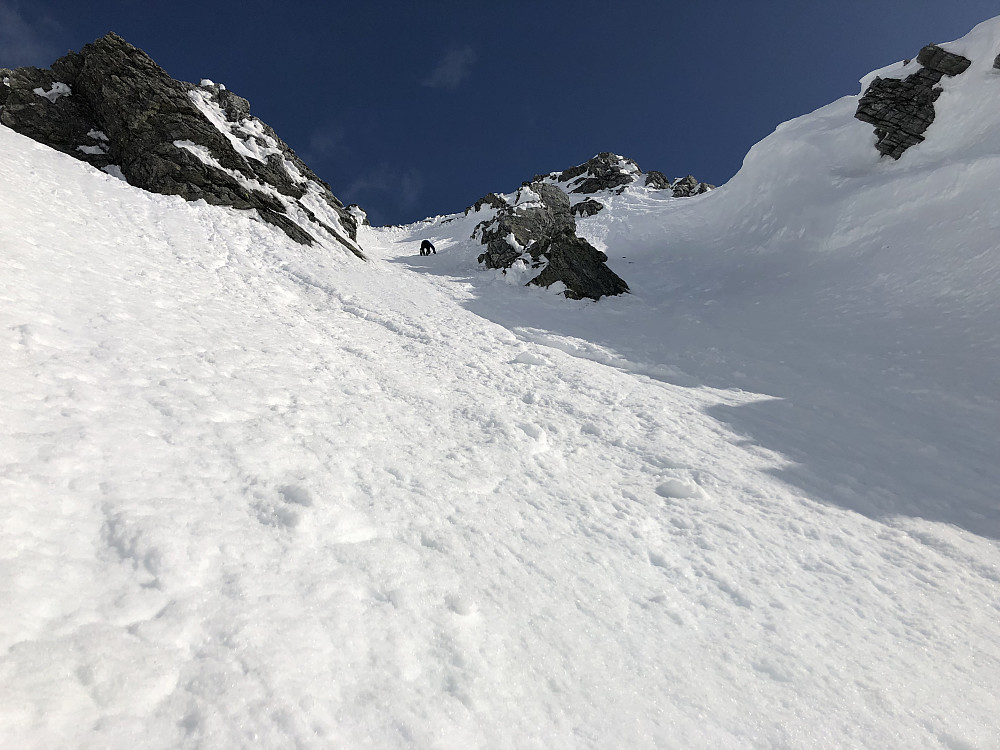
[4, 85]
[537, 230]
[490, 199]
[613, 173]
[685, 187]
[113, 107]
[902, 109]
[658, 180]
[588, 207]
[534, 229]
[606, 171]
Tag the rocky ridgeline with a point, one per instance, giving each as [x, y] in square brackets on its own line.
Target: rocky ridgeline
[902, 109]
[113, 107]
[608, 172]
[536, 226]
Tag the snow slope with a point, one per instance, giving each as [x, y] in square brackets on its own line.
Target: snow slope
[256, 494]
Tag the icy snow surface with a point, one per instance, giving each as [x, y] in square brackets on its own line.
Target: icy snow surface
[261, 495]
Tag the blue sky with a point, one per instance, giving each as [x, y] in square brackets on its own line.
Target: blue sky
[416, 109]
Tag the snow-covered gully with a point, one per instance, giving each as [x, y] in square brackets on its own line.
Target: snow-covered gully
[261, 494]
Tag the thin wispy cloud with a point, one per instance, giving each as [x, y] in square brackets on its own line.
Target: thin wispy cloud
[21, 43]
[453, 68]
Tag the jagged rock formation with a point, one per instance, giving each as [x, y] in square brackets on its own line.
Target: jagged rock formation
[588, 207]
[611, 172]
[901, 110]
[537, 229]
[113, 107]
[605, 171]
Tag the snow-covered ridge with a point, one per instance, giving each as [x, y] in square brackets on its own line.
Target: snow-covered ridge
[233, 158]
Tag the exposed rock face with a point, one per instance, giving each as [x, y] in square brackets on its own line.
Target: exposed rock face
[112, 106]
[611, 172]
[490, 199]
[4, 85]
[685, 187]
[605, 171]
[902, 109]
[537, 229]
[588, 207]
[658, 180]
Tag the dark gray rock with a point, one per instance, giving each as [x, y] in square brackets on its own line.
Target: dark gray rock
[588, 207]
[579, 265]
[941, 61]
[5, 74]
[682, 187]
[657, 180]
[490, 199]
[542, 233]
[119, 107]
[996, 62]
[46, 108]
[902, 109]
[606, 171]
[611, 172]
[538, 228]
[685, 187]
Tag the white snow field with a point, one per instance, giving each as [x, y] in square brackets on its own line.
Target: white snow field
[254, 494]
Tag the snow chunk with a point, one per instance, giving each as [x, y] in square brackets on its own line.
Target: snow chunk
[97, 135]
[58, 89]
[93, 150]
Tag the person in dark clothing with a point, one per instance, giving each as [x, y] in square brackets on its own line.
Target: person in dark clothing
[426, 248]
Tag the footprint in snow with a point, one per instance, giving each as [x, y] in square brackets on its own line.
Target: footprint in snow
[284, 510]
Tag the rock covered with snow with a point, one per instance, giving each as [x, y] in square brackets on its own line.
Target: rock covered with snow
[611, 172]
[112, 106]
[536, 228]
[902, 109]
